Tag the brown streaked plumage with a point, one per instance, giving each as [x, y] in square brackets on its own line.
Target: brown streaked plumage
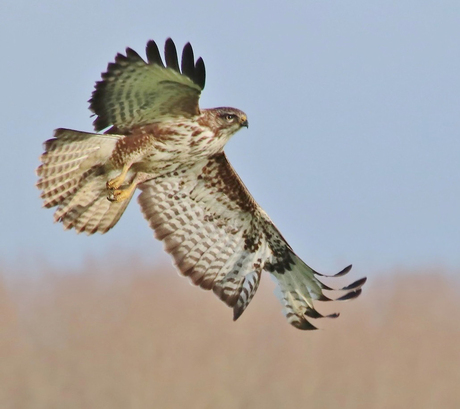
[160, 141]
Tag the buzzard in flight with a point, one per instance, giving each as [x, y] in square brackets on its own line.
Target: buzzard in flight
[159, 140]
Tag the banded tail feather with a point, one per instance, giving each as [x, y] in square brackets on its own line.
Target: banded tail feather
[73, 177]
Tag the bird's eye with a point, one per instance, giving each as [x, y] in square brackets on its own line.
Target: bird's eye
[230, 117]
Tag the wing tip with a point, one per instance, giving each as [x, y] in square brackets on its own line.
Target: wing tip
[195, 70]
[153, 53]
[237, 312]
[302, 324]
[170, 52]
[355, 285]
[312, 313]
[200, 73]
[350, 295]
[341, 273]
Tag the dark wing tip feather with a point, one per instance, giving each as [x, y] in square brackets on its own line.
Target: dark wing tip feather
[111, 67]
[120, 59]
[58, 132]
[312, 313]
[199, 76]
[356, 285]
[237, 311]
[133, 55]
[153, 53]
[353, 286]
[353, 291]
[195, 71]
[304, 325]
[100, 122]
[171, 55]
[350, 296]
[339, 274]
[344, 271]
[188, 61]
[323, 297]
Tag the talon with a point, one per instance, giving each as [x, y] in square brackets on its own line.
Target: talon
[120, 195]
[115, 183]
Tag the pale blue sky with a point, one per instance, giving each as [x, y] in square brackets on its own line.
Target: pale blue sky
[354, 108]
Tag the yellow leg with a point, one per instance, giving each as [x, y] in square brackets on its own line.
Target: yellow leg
[120, 195]
[116, 182]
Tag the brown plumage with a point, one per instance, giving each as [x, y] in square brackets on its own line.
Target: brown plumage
[161, 141]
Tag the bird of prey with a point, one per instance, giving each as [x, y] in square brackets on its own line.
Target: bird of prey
[156, 138]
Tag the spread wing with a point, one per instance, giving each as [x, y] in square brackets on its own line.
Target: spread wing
[220, 238]
[134, 92]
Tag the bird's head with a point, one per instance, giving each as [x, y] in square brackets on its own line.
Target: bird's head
[226, 121]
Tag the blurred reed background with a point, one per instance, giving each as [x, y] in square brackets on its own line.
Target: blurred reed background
[139, 337]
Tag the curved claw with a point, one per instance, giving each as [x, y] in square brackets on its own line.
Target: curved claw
[120, 195]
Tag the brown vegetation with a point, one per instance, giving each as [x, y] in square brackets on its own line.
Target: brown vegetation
[138, 339]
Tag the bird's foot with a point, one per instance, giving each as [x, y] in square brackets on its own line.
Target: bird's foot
[120, 195]
[116, 182]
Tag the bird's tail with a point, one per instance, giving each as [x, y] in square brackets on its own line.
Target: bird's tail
[73, 177]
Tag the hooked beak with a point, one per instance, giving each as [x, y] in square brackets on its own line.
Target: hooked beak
[244, 122]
